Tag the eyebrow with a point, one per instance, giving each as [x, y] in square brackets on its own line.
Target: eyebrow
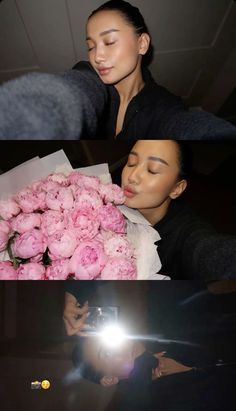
[103, 33]
[153, 158]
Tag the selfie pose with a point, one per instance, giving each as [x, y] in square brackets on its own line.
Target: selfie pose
[145, 374]
[155, 176]
[111, 96]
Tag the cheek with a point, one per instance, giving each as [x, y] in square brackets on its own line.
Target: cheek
[124, 177]
[128, 50]
[121, 368]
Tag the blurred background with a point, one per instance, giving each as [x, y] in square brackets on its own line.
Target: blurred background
[194, 44]
[211, 190]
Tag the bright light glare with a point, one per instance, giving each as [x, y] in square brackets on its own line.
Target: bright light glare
[112, 335]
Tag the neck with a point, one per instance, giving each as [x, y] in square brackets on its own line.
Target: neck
[154, 215]
[138, 349]
[130, 86]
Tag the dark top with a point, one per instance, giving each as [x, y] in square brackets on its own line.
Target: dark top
[78, 104]
[156, 113]
[191, 249]
[198, 390]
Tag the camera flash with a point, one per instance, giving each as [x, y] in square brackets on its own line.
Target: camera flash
[112, 335]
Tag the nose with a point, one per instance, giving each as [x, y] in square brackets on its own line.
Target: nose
[135, 175]
[99, 56]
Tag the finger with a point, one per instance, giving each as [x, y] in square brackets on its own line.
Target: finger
[160, 354]
[69, 330]
[73, 327]
[157, 373]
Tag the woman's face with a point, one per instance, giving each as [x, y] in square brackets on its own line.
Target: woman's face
[113, 46]
[111, 362]
[150, 177]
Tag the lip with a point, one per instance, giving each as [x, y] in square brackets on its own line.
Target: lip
[129, 192]
[104, 71]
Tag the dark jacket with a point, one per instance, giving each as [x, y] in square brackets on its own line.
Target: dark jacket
[79, 105]
[155, 113]
[191, 249]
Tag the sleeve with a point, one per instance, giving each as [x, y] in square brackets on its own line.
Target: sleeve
[48, 106]
[207, 255]
[196, 125]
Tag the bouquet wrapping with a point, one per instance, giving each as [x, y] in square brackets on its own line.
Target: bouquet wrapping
[59, 223]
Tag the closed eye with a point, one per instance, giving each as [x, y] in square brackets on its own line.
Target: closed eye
[130, 165]
[110, 43]
[153, 172]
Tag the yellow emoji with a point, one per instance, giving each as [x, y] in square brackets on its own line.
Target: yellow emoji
[45, 384]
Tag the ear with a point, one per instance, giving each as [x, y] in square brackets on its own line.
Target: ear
[144, 42]
[178, 189]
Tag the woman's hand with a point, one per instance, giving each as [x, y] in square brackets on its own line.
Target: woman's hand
[167, 366]
[74, 316]
[108, 381]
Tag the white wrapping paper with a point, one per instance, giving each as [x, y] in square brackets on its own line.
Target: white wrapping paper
[139, 231]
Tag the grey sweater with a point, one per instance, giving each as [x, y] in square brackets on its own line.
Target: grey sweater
[48, 106]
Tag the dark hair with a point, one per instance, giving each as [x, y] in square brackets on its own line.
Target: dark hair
[185, 159]
[133, 16]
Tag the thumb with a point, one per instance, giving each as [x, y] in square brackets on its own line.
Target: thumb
[160, 354]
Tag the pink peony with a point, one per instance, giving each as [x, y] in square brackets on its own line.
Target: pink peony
[60, 199]
[118, 245]
[88, 260]
[31, 271]
[119, 268]
[36, 259]
[8, 209]
[25, 222]
[62, 244]
[112, 193]
[52, 221]
[30, 200]
[5, 226]
[49, 186]
[29, 244]
[111, 219]
[7, 271]
[88, 199]
[58, 270]
[5, 230]
[84, 181]
[84, 223]
[59, 178]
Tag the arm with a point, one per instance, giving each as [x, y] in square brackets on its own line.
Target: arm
[209, 256]
[74, 315]
[168, 366]
[48, 106]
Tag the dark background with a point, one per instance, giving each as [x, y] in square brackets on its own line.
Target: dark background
[33, 344]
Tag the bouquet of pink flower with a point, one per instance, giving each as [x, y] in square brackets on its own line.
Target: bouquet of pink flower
[66, 226]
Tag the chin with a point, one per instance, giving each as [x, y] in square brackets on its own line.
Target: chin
[129, 203]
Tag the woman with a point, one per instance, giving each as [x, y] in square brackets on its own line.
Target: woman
[118, 43]
[190, 370]
[153, 179]
[112, 96]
